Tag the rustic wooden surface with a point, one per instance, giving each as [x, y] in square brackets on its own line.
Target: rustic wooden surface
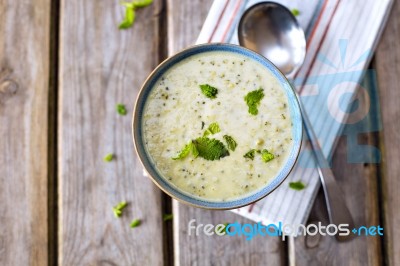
[99, 66]
[24, 90]
[388, 68]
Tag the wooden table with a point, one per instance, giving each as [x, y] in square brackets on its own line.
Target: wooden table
[64, 66]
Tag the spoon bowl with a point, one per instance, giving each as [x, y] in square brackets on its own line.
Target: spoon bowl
[271, 30]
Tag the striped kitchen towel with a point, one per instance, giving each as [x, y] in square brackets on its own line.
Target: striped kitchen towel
[341, 36]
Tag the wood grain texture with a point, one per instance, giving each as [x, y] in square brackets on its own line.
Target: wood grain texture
[101, 66]
[359, 183]
[388, 68]
[221, 250]
[185, 21]
[24, 90]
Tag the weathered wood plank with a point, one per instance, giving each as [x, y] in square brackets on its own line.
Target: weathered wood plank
[185, 21]
[359, 183]
[24, 92]
[388, 68]
[101, 66]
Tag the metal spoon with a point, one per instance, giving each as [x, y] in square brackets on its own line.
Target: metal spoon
[271, 30]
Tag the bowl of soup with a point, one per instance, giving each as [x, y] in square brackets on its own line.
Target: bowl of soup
[217, 126]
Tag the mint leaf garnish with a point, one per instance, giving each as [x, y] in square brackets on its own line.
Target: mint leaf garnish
[118, 208]
[295, 12]
[141, 3]
[298, 185]
[253, 100]
[212, 129]
[209, 91]
[121, 109]
[267, 156]
[184, 152]
[129, 17]
[167, 217]
[108, 158]
[250, 154]
[210, 149]
[231, 143]
[130, 9]
[135, 223]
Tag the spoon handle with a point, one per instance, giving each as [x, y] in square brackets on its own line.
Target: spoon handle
[337, 209]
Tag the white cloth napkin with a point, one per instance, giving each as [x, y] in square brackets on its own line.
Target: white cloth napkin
[341, 36]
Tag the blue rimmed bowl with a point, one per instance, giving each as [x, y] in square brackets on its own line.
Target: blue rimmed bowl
[157, 177]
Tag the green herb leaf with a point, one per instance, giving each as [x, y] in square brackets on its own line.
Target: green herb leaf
[129, 17]
[223, 229]
[267, 156]
[212, 129]
[184, 152]
[118, 208]
[210, 149]
[295, 12]
[231, 143]
[121, 109]
[253, 100]
[141, 3]
[108, 158]
[195, 152]
[250, 154]
[298, 185]
[135, 223]
[167, 217]
[209, 91]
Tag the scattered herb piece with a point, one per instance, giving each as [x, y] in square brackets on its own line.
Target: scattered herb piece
[141, 3]
[118, 208]
[190, 147]
[195, 152]
[231, 143]
[250, 154]
[298, 185]
[130, 9]
[222, 230]
[202, 125]
[121, 109]
[295, 12]
[167, 217]
[129, 18]
[209, 91]
[212, 129]
[253, 100]
[135, 223]
[210, 149]
[226, 229]
[267, 156]
[108, 158]
[184, 152]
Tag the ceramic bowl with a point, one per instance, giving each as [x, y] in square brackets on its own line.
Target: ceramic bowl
[157, 177]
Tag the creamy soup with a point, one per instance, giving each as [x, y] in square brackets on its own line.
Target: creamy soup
[217, 126]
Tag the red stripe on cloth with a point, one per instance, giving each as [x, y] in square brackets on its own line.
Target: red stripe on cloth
[218, 21]
[319, 45]
[251, 207]
[238, 4]
[316, 24]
